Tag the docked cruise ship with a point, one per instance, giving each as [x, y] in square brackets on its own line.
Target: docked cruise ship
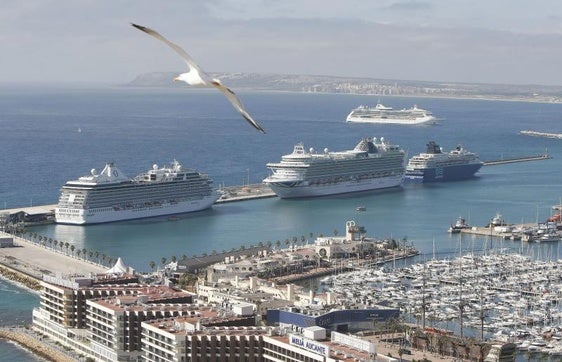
[388, 115]
[111, 196]
[435, 165]
[371, 165]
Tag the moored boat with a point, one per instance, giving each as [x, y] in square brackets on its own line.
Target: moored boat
[111, 196]
[458, 226]
[436, 165]
[372, 165]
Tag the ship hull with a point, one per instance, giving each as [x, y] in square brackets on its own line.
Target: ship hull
[420, 120]
[440, 174]
[293, 190]
[106, 215]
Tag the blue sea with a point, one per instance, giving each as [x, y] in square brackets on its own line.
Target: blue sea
[51, 135]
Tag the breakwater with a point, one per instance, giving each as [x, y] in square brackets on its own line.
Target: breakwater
[20, 277]
[34, 343]
[502, 161]
[541, 134]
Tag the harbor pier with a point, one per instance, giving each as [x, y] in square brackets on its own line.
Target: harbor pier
[501, 161]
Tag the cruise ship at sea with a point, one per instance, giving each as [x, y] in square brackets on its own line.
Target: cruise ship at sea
[434, 165]
[111, 196]
[388, 115]
[371, 165]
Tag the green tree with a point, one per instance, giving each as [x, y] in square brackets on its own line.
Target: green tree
[152, 265]
[72, 248]
[163, 260]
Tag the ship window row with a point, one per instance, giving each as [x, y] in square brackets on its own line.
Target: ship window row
[114, 198]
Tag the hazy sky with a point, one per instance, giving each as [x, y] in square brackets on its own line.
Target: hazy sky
[485, 41]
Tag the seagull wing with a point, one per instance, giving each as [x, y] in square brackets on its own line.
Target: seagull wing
[186, 57]
[233, 98]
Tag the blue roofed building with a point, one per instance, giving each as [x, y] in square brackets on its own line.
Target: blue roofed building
[340, 320]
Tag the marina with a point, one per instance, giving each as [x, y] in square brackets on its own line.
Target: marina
[507, 297]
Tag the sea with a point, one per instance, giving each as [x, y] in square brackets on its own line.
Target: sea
[51, 134]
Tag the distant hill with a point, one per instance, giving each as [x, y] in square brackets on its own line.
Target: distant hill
[331, 84]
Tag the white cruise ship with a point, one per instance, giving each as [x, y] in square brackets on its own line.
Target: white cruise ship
[111, 196]
[371, 165]
[388, 115]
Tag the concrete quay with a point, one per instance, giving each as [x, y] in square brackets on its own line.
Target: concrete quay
[230, 194]
[33, 260]
[487, 231]
[502, 161]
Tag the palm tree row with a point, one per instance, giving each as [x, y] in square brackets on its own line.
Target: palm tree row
[294, 241]
[84, 254]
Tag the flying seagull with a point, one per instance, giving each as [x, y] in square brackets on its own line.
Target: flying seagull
[197, 77]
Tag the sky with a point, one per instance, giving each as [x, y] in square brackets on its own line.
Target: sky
[472, 41]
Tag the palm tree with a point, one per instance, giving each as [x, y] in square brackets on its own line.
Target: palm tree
[278, 243]
[163, 260]
[335, 232]
[72, 247]
[295, 239]
[90, 254]
[183, 257]
[103, 257]
[174, 258]
[303, 239]
[78, 252]
[84, 251]
[287, 242]
[214, 252]
[97, 254]
[152, 264]
[66, 245]
[56, 242]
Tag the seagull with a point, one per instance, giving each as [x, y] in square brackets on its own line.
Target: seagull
[197, 77]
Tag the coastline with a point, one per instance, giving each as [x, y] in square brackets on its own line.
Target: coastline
[24, 265]
[34, 343]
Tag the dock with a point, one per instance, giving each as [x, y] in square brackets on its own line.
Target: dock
[544, 156]
[44, 214]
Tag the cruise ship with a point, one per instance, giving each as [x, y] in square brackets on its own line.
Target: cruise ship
[434, 165]
[371, 165]
[111, 196]
[388, 115]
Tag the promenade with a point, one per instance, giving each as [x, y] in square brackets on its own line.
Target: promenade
[35, 260]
